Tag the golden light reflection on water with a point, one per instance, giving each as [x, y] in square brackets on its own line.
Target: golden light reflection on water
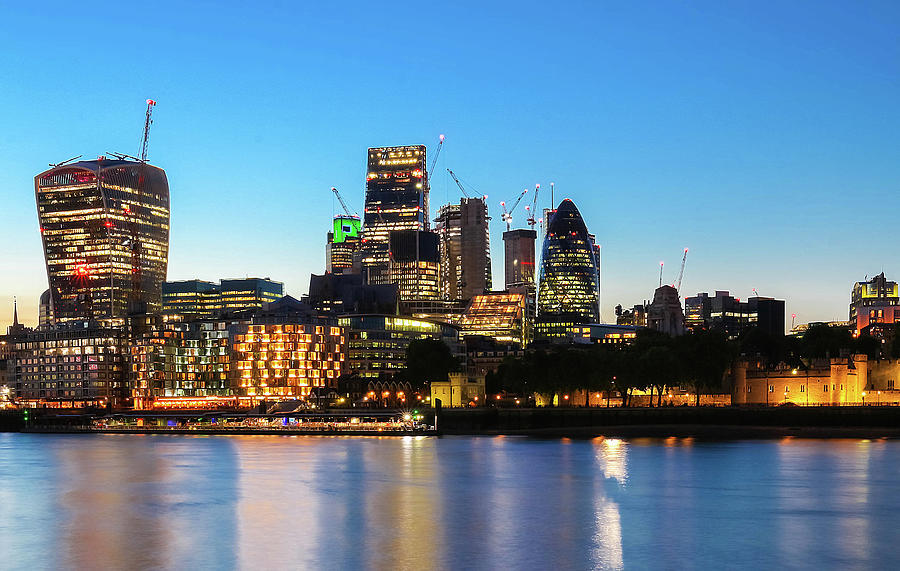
[272, 502]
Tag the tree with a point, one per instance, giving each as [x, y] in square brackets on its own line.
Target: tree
[707, 357]
[429, 360]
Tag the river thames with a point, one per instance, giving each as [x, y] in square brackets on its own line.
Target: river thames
[303, 502]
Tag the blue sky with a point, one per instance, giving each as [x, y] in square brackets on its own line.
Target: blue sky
[764, 136]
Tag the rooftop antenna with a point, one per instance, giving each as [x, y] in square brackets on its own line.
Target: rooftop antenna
[551, 195]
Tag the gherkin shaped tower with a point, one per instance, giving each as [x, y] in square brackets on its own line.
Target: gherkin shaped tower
[569, 290]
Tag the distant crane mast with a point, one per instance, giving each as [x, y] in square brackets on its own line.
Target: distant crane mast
[459, 184]
[533, 208]
[136, 246]
[677, 284]
[660, 273]
[436, 155]
[507, 214]
[343, 204]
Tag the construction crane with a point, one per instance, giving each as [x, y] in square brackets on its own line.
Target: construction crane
[436, 155]
[533, 208]
[136, 246]
[459, 184]
[677, 284]
[507, 214]
[660, 273]
[343, 204]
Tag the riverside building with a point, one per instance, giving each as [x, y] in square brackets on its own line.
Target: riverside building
[105, 237]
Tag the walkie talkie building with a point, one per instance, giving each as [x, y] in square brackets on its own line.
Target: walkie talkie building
[105, 237]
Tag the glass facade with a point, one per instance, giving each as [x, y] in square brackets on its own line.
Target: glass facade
[286, 360]
[377, 343]
[98, 224]
[569, 284]
[500, 316]
[250, 293]
[343, 244]
[414, 265]
[396, 199]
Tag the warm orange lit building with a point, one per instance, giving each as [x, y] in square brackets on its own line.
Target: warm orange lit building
[287, 360]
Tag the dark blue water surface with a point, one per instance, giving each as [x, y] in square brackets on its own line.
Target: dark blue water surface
[271, 502]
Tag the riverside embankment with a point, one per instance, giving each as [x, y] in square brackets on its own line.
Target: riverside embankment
[706, 422]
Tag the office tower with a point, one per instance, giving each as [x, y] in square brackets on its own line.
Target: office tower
[414, 264]
[200, 298]
[465, 249]
[191, 297]
[249, 293]
[876, 301]
[396, 199]
[518, 247]
[343, 244]
[501, 316]
[569, 289]
[105, 237]
[338, 294]
[733, 317]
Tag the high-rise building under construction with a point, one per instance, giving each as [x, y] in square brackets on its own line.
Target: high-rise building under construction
[465, 249]
[105, 231]
[396, 199]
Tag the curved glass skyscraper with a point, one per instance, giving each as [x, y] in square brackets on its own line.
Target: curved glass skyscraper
[569, 290]
[105, 237]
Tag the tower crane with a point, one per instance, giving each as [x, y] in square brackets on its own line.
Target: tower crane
[533, 208]
[660, 273]
[136, 246]
[677, 284]
[436, 155]
[343, 204]
[459, 184]
[507, 214]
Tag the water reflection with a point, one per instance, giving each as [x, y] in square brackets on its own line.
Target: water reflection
[400, 503]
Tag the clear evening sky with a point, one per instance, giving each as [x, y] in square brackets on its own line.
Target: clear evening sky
[765, 136]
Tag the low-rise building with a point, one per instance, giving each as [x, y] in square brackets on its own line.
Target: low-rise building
[461, 390]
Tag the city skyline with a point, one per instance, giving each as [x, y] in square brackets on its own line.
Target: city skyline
[757, 164]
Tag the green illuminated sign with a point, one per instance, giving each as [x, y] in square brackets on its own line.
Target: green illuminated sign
[346, 227]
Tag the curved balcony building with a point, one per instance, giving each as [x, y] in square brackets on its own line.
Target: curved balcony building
[569, 289]
[105, 238]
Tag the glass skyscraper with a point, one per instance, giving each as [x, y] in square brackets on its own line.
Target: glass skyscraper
[396, 199]
[569, 289]
[105, 237]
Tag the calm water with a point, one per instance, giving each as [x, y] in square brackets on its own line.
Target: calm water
[261, 502]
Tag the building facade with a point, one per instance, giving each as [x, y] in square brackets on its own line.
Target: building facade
[502, 316]
[876, 301]
[519, 264]
[733, 317]
[72, 365]
[105, 234]
[199, 298]
[342, 248]
[465, 249]
[396, 199]
[377, 343]
[569, 289]
[414, 265]
[665, 314]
